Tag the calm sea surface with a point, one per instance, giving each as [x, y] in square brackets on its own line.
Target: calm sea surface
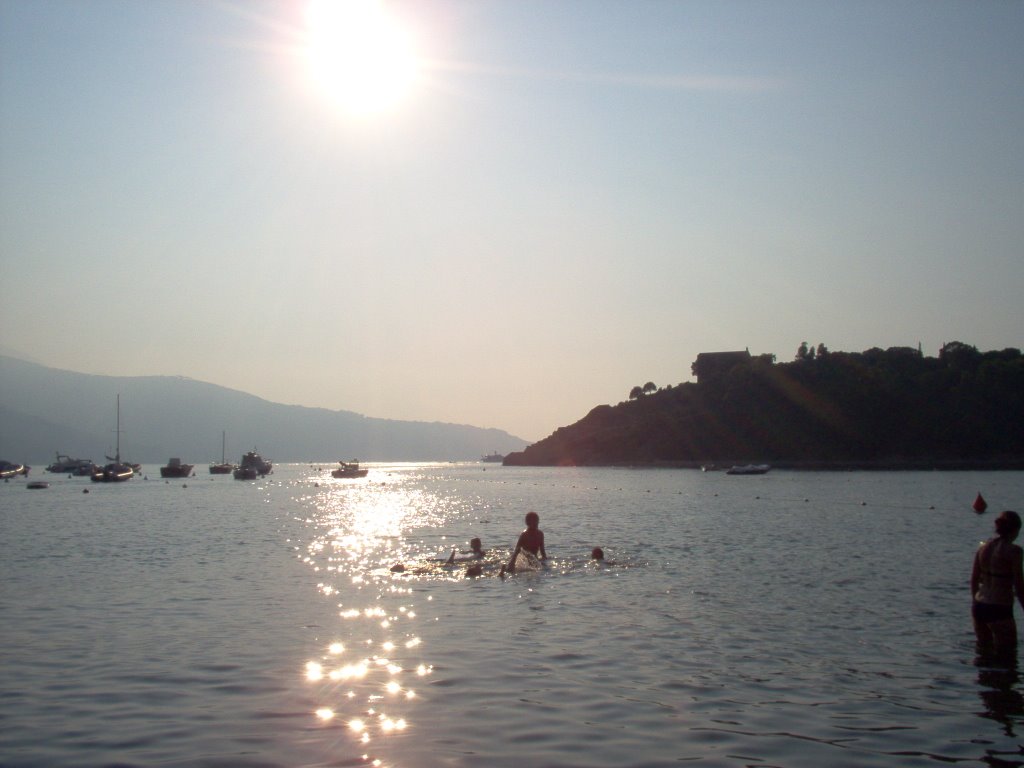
[791, 619]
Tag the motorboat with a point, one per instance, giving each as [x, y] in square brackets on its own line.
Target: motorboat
[65, 465]
[349, 469]
[224, 468]
[748, 469]
[245, 473]
[175, 468]
[493, 458]
[9, 470]
[36, 484]
[253, 465]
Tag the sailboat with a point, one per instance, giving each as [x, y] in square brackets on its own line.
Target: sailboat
[116, 471]
[224, 468]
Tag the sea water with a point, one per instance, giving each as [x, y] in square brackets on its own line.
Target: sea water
[789, 619]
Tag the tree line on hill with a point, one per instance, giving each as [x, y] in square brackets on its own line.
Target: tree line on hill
[892, 407]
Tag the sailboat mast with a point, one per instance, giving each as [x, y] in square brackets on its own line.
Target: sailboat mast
[117, 452]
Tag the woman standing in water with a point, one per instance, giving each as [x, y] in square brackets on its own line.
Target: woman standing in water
[996, 576]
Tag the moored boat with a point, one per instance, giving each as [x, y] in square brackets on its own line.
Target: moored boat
[36, 484]
[9, 470]
[65, 465]
[116, 471]
[493, 458]
[349, 469]
[225, 467]
[253, 465]
[175, 468]
[748, 469]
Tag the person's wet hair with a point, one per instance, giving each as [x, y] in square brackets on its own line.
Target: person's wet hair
[1008, 523]
[597, 553]
[532, 517]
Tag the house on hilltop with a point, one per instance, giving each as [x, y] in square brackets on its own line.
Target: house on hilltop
[710, 366]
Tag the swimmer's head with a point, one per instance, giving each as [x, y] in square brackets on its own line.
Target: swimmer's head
[474, 570]
[597, 554]
[475, 545]
[1008, 523]
[532, 519]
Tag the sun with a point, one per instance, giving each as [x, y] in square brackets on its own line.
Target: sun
[359, 55]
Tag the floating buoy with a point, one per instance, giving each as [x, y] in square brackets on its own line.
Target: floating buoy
[980, 505]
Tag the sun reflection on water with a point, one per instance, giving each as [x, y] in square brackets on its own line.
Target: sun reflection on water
[361, 675]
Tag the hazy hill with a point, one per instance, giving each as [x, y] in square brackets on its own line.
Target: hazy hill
[45, 410]
[883, 408]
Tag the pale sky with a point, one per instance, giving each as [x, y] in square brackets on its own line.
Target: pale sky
[567, 199]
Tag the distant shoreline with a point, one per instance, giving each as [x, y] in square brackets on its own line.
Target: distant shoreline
[901, 465]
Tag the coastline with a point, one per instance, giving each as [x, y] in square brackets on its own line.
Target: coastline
[863, 465]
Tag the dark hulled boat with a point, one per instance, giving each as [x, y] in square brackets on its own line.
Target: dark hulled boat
[253, 465]
[175, 468]
[224, 468]
[349, 469]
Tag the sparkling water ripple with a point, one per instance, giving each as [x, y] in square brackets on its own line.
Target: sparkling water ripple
[791, 619]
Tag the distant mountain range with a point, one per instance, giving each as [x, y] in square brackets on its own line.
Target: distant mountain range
[46, 410]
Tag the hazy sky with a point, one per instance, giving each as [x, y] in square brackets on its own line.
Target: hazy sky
[566, 200]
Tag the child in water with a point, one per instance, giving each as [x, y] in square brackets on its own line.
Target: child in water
[532, 540]
[476, 551]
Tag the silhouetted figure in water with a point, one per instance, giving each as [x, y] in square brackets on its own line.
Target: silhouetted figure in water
[532, 540]
[996, 577]
[476, 551]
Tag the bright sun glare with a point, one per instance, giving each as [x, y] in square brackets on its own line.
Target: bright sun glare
[359, 54]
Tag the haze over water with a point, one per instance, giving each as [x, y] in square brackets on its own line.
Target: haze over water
[795, 619]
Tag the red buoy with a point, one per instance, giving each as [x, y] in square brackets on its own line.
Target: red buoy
[979, 504]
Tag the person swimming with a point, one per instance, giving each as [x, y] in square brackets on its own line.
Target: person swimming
[475, 552]
[597, 557]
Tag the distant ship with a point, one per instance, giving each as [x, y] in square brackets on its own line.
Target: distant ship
[493, 458]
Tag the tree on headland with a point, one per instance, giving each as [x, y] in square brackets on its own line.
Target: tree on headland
[650, 387]
[636, 392]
